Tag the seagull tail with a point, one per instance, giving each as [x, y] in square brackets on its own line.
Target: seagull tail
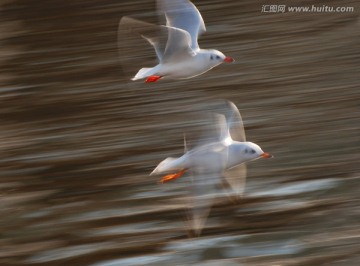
[143, 73]
[168, 165]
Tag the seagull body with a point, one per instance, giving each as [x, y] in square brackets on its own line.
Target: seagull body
[185, 68]
[213, 157]
[213, 162]
[175, 44]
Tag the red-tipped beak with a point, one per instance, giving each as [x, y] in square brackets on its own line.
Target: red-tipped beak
[229, 59]
[266, 155]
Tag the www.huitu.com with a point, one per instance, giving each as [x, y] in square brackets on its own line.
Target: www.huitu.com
[306, 9]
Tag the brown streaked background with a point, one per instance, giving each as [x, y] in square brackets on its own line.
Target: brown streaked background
[78, 140]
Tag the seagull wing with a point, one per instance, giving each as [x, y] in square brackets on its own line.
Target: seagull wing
[207, 166]
[223, 126]
[184, 15]
[204, 192]
[178, 45]
[236, 178]
[204, 128]
[235, 123]
[231, 128]
[156, 35]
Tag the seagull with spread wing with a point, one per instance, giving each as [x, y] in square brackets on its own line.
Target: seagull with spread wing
[176, 44]
[211, 163]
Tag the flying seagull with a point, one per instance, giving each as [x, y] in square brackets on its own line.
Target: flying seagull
[213, 162]
[176, 43]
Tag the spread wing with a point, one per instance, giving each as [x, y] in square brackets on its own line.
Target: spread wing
[215, 121]
[207, 165]
[234, 122]
[156, 35]
[184, 15]
[219, 122]
[236, 178]
[204, 192]
[178, 45]
[231, 126]
[169, 42]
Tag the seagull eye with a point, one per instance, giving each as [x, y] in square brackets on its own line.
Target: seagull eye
[252, 151]
[217, 57]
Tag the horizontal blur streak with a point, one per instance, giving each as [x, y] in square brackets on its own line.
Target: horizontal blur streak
[78, 141]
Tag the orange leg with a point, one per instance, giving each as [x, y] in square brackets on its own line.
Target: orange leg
[152, 79]
[170, 177]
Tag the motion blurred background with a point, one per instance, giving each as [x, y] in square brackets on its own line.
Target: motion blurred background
[78, 140]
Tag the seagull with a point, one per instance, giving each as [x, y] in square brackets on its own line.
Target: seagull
[176, 44]
[214, 162]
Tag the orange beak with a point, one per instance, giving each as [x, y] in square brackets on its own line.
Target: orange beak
[266, 155]
[229, 59]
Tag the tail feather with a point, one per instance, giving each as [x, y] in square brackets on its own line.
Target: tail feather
[167, 165]
[142, 73]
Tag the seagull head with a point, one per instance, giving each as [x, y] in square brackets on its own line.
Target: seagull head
[216, 57]
[241, 152]
[252, 151]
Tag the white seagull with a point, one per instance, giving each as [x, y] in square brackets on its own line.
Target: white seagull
[175, 44]
[213, 162]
